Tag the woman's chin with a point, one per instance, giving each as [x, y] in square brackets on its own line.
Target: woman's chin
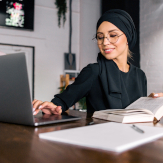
[109, 56]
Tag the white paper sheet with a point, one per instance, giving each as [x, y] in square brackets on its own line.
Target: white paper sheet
[110, 136]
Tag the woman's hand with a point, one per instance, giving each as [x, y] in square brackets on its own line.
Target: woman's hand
[155, 95]
[46, 107]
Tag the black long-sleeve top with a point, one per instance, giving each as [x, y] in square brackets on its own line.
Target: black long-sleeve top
[122, 88]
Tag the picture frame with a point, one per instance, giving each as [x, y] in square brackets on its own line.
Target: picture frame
[30, 60]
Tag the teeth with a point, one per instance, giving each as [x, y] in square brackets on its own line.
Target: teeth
[108, 50]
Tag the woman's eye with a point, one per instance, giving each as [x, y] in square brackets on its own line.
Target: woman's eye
[100, 38]
[113, 35]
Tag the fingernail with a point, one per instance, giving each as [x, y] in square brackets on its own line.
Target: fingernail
[40, 107]
[33, 109]
[156, 95]
[34, 112]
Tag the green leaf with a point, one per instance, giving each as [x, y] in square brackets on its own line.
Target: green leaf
[61, 5]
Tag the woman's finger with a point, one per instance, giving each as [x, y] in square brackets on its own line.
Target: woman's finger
[58, 110]
[151, 95]
[37, 104]
[158, 94]
[50, 108]
[36, 111]
[49, 105]
[46, 107]
[34, 101]
[155, 95]
[46, 111]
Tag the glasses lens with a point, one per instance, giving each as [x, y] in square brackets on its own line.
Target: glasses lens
[113, 37]
[100, 38]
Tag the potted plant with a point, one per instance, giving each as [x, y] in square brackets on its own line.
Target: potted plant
[62, 9]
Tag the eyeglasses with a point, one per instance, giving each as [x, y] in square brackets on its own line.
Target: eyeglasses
[111, 37]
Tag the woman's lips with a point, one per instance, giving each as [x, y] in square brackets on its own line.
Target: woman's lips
[107, 51]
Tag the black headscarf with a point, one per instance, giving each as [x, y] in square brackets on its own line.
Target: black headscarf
[122, 20]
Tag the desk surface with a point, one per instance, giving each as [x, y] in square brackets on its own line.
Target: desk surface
[21, 144]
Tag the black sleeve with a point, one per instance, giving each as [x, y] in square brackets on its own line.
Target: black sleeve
[145, 85]
[79, 89]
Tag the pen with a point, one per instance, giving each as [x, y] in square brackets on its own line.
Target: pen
[137, 129]
[90, 123]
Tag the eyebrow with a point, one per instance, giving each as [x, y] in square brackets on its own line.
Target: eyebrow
[109, 31]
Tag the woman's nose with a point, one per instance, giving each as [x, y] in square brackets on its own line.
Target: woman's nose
[106, 41]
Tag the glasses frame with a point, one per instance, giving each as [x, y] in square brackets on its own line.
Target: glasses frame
[95, 38]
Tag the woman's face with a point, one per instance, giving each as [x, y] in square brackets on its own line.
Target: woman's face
[112, 51]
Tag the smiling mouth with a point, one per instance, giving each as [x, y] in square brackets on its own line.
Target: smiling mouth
[108, 50]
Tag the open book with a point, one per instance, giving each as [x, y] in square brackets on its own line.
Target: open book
[145, 109]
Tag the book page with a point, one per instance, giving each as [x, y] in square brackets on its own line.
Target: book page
[152, 104]
[124, 111]
[128, 111]
[146, 112]
[131, 114]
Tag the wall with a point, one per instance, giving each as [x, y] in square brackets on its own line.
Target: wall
[90, 11]
[51, 42]
[151, 43]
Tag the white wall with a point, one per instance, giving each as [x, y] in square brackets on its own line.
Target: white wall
[51, 42]
[89, 15]
[151, 43]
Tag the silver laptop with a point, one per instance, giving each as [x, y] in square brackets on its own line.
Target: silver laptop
[15, 101]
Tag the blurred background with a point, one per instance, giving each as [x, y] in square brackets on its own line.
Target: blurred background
[32, 27]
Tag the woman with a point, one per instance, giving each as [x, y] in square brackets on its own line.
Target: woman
[112, 82]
